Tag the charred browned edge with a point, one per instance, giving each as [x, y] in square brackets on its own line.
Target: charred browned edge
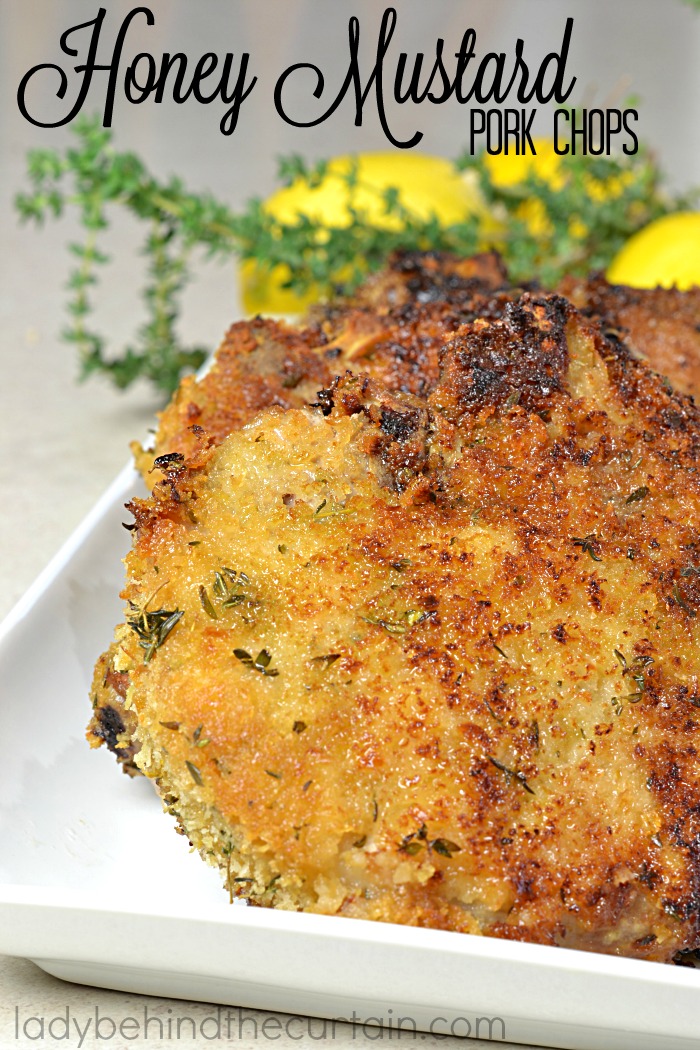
[396, 323]
[659, 325]
[112, 723]
[520, 358]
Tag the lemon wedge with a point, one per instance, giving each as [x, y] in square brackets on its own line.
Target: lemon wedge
[666, 253]
[427, 187]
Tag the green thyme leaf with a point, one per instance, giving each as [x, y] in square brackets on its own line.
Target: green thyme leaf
[587, 545]
[520, 777]
[445, 847]
[206, 603]
[152, 627]
[102, 184]
[194, 773]
[638, 494]
[260, 663]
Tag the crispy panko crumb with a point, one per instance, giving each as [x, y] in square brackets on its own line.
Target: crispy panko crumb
[430, 656]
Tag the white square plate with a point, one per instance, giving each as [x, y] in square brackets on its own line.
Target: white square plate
[95, 887]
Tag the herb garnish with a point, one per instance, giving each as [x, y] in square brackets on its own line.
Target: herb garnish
[444, 847]
[152, 628]
[261, 662]
[680, 600]
[638, 494]
[399, 625]
[414, 842]
[194, 773]
[198, 740]
[327, 660]
[586, 545]
[331, 509]
[227, 587]
[206, 603]
[520, 777]
[101, 182]
[636, 670]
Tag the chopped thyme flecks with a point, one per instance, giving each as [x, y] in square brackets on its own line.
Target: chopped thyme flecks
[260, 663]
[586, 545]
[326, 660]
[520, 777]
[491, 711]
[636, 670]
[331, 509]
[398, 624]
[206, 603]
[638, 494]
[152, 628]
[194, 773]
[411, 847]
[445, 847]
[679, 600]
[415, 841]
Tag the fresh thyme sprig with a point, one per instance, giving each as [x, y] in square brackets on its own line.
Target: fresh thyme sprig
[582, 221]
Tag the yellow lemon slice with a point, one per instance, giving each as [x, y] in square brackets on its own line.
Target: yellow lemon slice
[427, 186]
[666, 253]
[506, 169]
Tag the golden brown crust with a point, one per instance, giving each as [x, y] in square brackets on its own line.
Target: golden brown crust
[435, 661]
[260, 363]
[392, 329]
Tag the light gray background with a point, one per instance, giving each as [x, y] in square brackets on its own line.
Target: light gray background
[62, 443]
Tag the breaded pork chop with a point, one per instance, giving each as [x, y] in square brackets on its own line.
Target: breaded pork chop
[659, 325]
[435, 661]
[392, 328]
